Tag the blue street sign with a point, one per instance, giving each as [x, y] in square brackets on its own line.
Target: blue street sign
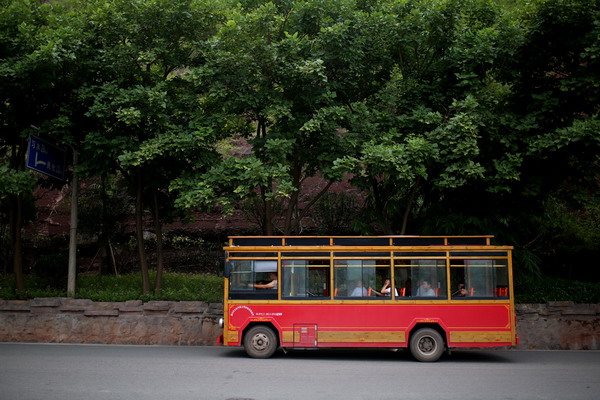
[46, 158]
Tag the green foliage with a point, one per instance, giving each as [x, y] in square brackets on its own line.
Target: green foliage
[452, 116]
[229, 182]
[176, 287]
[14, 182]
[545, 289]
[209, 288]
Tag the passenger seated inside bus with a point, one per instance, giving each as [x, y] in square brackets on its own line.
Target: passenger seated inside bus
[386, 289]
[425, 290]
[359, 290]
[270, 285]
[461, 291]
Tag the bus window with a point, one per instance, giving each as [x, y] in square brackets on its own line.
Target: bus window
[403, 280]
[421, 278]
[479, 278]
[304, 279]
[360, 278]
[246, 273]
[382, 275]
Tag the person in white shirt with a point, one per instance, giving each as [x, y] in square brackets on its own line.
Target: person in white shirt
[359, 290]
[386, 289]
[425, 290]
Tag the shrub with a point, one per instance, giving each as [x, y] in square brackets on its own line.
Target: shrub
[176, 287]
[209, 288]
[546, 288]
[53, 269]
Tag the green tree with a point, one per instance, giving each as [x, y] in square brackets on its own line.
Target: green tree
[146, 125]
[37, 78]
[283, 76]
[426, 132]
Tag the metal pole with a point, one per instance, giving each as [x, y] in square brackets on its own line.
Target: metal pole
[73, 230]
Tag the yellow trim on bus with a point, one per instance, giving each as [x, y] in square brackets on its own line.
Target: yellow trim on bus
[480, 336]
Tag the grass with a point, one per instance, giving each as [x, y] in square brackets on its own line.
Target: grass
[175, 287]
[209, 288]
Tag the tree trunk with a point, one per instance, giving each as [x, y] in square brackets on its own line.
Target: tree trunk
[72, 272]
[409, 203]
[268, 214]
[380, 199]
[16, 218]
[104, 238]
[139, 231]
[17, 162]
[159, 242]
[311, 203]
[293, 201]
[4, 249]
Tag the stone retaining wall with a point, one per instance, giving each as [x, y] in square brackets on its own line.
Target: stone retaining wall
[559, 325]
[63, 320]
[556, 325]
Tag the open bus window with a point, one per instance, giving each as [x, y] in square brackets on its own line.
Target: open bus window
[245, 275]
[479, 278]
[305, 279]
[423, 278]
[361, 278]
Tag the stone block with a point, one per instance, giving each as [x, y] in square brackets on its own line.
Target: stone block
[133, 303]
[215, 309]
[75, 305]
[560, 304]
[16, 306]
[46, 302]
[189, 307]
[157, 306]
[523, 309]
[580, 309]
[45, 310]
[129, 310]
[131, 306]
[101, 313]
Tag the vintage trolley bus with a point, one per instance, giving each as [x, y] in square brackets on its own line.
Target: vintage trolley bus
[425, 293]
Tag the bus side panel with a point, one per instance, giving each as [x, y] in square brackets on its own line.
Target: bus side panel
[375, 325]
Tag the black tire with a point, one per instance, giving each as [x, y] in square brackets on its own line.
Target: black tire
[427, 345]
[260, 342]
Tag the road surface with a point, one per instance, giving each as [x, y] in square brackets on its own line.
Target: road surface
[89, 372]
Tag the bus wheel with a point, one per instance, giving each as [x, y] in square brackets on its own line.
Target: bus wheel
[260, 342]
[426, 345]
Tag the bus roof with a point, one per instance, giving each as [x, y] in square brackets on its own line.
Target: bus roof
[361, 241]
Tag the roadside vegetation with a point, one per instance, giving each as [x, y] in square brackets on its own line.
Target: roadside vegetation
[435, 117]
[209, 288]
[547, 288]
[176, 287]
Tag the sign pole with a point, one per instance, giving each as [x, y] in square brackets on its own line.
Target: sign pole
[73, 231]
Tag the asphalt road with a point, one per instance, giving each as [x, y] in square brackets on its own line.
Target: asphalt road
[82, 372]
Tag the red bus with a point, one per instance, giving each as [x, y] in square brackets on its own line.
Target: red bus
[427, 293]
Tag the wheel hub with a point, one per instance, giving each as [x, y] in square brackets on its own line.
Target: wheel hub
[426, 345]
[260, 342]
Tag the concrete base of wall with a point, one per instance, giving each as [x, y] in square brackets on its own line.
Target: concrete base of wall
[557, 325]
